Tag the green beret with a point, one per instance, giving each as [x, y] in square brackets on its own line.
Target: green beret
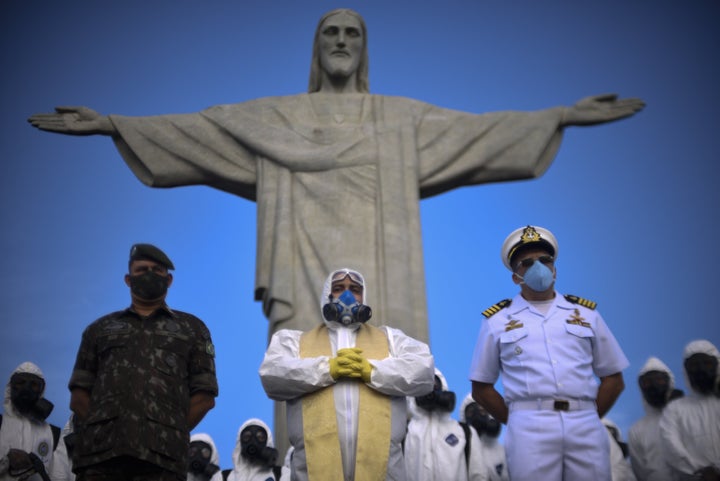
[150, 252]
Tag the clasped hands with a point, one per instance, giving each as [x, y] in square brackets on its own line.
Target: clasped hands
[350, 362]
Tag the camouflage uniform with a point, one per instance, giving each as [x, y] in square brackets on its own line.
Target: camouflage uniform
[140, 373]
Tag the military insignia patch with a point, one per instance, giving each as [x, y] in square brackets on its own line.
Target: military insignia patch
[495, 308]
[579, 300]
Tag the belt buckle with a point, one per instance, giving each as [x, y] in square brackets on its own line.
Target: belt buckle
[561, 405]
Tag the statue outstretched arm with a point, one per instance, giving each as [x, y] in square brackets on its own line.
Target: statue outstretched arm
[73, 121]
[599, 109]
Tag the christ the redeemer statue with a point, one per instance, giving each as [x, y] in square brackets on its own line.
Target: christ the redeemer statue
[338, 173]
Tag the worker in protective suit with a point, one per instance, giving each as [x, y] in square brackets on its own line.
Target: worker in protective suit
[254, 457]
[619, 466]
[690, 426]
[361, 373]
[203, 459]
[61, 469]
[491, 453]
[437, 447]
[27, 441]
[657, 383]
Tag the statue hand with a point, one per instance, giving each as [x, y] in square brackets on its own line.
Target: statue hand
[73, 121]
[599, 109]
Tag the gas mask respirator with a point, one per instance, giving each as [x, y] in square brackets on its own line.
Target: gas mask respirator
[437, 399]
[199, 454]
[26, 396]
[346, 310]
[254, 448]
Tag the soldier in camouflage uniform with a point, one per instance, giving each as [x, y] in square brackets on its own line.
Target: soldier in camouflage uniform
[144, 377]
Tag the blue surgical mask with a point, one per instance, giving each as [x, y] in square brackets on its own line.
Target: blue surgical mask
[538, 277]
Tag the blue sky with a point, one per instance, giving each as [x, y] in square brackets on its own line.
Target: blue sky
[633, 204]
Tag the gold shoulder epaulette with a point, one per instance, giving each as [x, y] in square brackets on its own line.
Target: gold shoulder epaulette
[579, 300]
[495, 308]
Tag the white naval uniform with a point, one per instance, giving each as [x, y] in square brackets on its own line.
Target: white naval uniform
[544, 358]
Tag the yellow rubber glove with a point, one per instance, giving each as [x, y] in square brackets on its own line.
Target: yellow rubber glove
[365, 370]
[340, 367]
[347, 363]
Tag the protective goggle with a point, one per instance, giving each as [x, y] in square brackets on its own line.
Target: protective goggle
[531, 260]
[342, 274]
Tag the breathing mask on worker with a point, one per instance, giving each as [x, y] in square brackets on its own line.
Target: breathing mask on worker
[482, 421]
[702, 373]
[437, 399]
[199, 456]
[346, 310]
[655, 387]
[254, 448]
[26, 396]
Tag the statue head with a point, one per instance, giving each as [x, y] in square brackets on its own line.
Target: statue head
[317, 69]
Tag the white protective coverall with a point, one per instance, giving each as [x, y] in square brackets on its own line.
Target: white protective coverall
[619, 466]
[214, 458]
[435, 445]
[61, 469]
[491, 452]
[19, 432]
[690, 426]
[646, 452]
[407, 371]
[243, 470]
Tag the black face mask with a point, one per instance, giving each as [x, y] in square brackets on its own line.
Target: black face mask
[149, 285]
[254, 448]
[199, 455]
[655, 387]
[701, 371]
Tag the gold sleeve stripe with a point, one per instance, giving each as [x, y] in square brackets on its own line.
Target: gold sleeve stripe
[582, 301]
[495, 308]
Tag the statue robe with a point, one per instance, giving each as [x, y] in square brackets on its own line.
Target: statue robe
[337, 179]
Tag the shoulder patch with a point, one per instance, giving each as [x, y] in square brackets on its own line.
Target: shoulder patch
[579, 300]
[495, 308]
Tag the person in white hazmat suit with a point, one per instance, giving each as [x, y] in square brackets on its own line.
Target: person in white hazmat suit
[203, 459]
[491, 453]
[619, 466]
[27, 441]
[254, 457]
[690, 426]
[360, 372]
[436, 446]
[61, 469]
[647, 459]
